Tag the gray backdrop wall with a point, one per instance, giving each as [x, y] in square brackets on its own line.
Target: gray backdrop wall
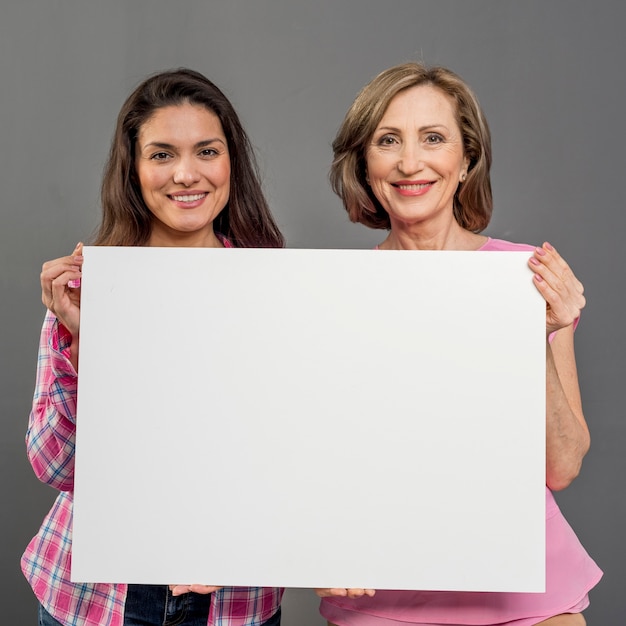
[550, 75]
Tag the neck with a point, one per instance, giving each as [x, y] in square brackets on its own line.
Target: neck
[184, 240]
[416, 237]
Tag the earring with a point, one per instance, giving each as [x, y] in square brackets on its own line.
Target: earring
[463, 177]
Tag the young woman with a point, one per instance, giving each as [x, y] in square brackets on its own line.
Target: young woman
[181, 172]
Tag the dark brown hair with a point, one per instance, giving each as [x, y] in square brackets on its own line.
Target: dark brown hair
[472, 201]
[126, 220]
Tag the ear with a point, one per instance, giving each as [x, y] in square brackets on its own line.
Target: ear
[464, 169]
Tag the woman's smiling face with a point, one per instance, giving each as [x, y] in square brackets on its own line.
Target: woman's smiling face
[183, 166]
[415, 159]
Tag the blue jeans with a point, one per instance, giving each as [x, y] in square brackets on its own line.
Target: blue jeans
[154, 605]
[45, 619]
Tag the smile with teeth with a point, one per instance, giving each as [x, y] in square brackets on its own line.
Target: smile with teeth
[412, 187]
[188, 198]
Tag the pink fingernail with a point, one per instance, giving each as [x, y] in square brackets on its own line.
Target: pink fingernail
[548, 246]
[540, 251]
[538, 278]
[534, 261]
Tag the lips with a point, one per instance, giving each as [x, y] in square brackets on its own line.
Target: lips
[189, 197]
[412, 184]
[412, 187]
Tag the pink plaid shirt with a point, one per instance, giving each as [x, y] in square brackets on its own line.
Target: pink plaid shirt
[46, 561]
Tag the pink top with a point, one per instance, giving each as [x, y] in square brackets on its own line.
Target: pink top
[570, 574]
[47, 559]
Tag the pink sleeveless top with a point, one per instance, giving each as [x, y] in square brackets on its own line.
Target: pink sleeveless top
[570, 574]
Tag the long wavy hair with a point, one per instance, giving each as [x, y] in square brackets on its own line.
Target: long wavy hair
[246, 219]
[473, 201]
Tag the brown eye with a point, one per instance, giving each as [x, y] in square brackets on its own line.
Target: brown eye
[434, 138]
[209, 152]
[387, 140]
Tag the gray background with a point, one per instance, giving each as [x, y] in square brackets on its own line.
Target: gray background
[550, 76]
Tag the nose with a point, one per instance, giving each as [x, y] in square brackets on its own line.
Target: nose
[186, 173]
[410, 158]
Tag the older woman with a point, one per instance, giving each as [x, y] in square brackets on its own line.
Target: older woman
[413, 157]
[181, 172]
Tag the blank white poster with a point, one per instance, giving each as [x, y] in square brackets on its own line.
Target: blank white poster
[311, 418]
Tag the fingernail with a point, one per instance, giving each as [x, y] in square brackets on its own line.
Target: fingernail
[548, 246]
[533, 260]
[538, 278]
[540, 251]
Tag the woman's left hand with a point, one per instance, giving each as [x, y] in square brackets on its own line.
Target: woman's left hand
[179, 590]
[334, 592]
[556, 282]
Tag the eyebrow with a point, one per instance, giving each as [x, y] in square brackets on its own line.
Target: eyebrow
[169, 146]
[421, 128]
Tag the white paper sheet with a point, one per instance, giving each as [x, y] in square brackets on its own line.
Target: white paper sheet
[311, 418]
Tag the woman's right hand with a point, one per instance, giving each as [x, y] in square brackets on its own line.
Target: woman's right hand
[60, 291]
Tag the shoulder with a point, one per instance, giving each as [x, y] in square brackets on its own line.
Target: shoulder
[505, 246]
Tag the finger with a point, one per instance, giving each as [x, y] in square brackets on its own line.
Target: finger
[204, 589]
[559, 277]
[560, 280]
[74, 259]
[550, 259]
[63, 278]
[326, 592]
[77, 255]
[179, 590]
[550, 254]
[59, 284]
[54, 286]
[561, 310]
[545, 266]
[53, 269]
[547, 255]
[64, 301]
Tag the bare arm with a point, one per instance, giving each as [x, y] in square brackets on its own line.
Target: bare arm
[567, 435]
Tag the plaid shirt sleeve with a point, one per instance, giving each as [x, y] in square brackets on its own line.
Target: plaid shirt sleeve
[52, 423]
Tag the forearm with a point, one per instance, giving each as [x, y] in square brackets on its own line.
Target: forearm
[567, 436]
[51, 428]
[50, 441]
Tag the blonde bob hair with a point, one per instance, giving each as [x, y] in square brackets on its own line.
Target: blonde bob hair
[472, 201]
